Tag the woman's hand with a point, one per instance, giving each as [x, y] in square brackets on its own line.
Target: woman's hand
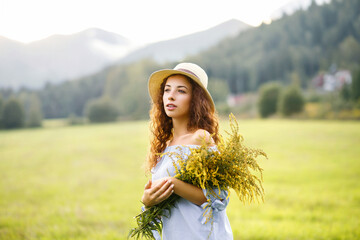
[157, 192]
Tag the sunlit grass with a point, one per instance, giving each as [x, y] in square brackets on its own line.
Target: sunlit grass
[85, 182]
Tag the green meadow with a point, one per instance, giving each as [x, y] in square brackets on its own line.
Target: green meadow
[85, 182]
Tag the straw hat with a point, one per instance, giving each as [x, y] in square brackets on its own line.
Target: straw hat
[190, 70]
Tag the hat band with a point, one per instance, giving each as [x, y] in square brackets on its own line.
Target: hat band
[187, 71]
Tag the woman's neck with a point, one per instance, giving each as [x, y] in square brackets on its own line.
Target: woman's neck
[180, 127]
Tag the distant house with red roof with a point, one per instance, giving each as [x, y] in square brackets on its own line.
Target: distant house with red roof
[330, 82]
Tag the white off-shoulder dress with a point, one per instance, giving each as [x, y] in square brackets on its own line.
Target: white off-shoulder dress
[187, 221]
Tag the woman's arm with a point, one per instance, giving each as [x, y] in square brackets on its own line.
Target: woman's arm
[158, 191]
[188, 191]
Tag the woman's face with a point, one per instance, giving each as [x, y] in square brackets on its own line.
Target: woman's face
[177, 96]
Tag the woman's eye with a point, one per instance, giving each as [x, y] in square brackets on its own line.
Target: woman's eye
[167, 90]
[182, 91]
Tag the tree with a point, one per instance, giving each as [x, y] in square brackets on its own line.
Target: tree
[219, 90]
[1, 110]
[268, 99]
[345, 92]
[349, 53]
[355, 85]
[291, 101]
[34, 118]
[101, 110]
[13, 114]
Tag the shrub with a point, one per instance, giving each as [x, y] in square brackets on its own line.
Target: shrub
[73, 119]
[291, 101]
[34, 118]
[268, 99]
[101, 110]
[1, 110]
[13, 114]
[355, 86]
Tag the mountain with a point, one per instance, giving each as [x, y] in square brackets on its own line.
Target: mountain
[178, 48]
[11, 60]
[58, 57]
[62, 57]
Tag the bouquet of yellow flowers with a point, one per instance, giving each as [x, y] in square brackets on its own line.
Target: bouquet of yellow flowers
[231, 166]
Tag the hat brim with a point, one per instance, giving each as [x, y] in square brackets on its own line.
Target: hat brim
[157, 78]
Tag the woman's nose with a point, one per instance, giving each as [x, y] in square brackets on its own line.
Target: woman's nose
[171, 96]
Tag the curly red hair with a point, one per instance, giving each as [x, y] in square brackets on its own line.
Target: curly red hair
[202, 116]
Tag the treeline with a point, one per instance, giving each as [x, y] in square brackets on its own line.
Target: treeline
[124, 85]
[292, 49]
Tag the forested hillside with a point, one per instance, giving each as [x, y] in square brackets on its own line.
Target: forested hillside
[293, 48]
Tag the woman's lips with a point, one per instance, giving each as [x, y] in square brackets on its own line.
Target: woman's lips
[170, 106]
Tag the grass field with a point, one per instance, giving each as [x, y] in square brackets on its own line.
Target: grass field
[85, 182]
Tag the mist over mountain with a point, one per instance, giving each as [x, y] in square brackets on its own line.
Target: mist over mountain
[58, 57]
[178, 48]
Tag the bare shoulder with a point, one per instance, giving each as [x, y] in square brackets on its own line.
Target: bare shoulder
[200, 135]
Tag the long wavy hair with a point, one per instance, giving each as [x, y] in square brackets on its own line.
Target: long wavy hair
[202, 116]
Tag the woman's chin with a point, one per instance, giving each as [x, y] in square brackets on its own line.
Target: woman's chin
[170, 114]
[174, 114]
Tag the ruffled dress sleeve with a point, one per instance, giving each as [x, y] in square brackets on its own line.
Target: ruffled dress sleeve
[216, 202]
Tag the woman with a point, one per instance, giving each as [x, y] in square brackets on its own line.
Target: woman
[182, 115]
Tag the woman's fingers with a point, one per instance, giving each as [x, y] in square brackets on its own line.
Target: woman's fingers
[158, 185]
[157, 191]
[148, 184]
[166, 193]
[165, 187]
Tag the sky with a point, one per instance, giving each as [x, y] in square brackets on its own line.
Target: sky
[141, 21]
